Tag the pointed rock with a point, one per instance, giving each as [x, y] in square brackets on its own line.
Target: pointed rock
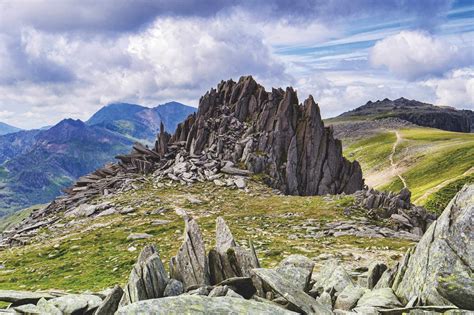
[147, 279]
[190, 265]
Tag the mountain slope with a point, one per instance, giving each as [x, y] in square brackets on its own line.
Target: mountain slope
[430, 161]
[54, 160]
[422, 114]
[139, 122]
[36, 165]
[5, 129]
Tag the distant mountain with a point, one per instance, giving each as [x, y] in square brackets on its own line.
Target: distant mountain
[422, 114]
[36, 165]
[5, 129]
[139, 122]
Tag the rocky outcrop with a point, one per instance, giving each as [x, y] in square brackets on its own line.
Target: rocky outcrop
[439, 271]
[397, 209]
[271, 133]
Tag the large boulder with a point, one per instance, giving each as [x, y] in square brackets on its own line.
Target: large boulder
[439, 271]
[295, 296]
[22, 297]
[195, 304]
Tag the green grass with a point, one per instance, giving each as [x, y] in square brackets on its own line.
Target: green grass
[373, 152]
[93, 254]
[16, 217]
[438, 201]
[437, 156]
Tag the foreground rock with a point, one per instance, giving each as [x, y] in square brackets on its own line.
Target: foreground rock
[193, 304]
[439, 271]
[22, 297]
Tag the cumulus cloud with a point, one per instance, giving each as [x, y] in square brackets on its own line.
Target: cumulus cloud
[456, 88]
[414, 55]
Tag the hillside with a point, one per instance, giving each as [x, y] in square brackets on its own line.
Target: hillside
[6, 129]
[433, 163]
[422, 114]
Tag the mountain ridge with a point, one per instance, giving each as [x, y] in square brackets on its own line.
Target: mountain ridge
[35, 165]
[6, 129]
[419, 113]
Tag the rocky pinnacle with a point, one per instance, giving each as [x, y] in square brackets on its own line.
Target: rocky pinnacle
[273, 134]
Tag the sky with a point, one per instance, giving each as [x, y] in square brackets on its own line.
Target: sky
[68, 58]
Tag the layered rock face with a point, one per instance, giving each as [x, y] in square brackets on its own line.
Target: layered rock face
[439, 270]
[271, 133]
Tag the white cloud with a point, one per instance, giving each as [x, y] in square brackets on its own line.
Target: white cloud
[455, 89]
[414, 54]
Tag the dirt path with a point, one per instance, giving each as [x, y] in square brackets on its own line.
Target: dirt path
[441, 185]
[395, 170]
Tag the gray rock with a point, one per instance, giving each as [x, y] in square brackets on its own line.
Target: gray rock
[439, 271]
[111, 303]
[297, 298]
[231, 293]
[239, 183]
[219, 291]
[22, 297]
[229, 260]
[173, 288]
[110, 211]
[159, 222]
[76, 303]
[188, 304]
[244, 286]
[300, 261]
[347, 299]
[379, 298]
[138, 236]
[190, 265]
[374, 273]
[331, 278]
[298, 277]
[83, 210]
[325, 299]
[147, 279]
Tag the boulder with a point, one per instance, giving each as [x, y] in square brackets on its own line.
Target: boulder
[22, 297]
[190, 265]
[379, 298]
[331, 278]
[111, 303]
[348, 298]
[298, 269]
[173, 288]
[76, 303]
[147, 279]
[296, 297]
[194, 304]
[439, 271]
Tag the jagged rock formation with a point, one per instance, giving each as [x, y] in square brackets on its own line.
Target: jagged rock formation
[271, 133]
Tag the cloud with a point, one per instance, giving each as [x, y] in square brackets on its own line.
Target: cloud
[126, 16]
[413, 55]
[172, 59]
[456, 88]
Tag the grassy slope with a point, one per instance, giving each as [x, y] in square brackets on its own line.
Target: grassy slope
[430, 160]
[16, 217]
[93, 254]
